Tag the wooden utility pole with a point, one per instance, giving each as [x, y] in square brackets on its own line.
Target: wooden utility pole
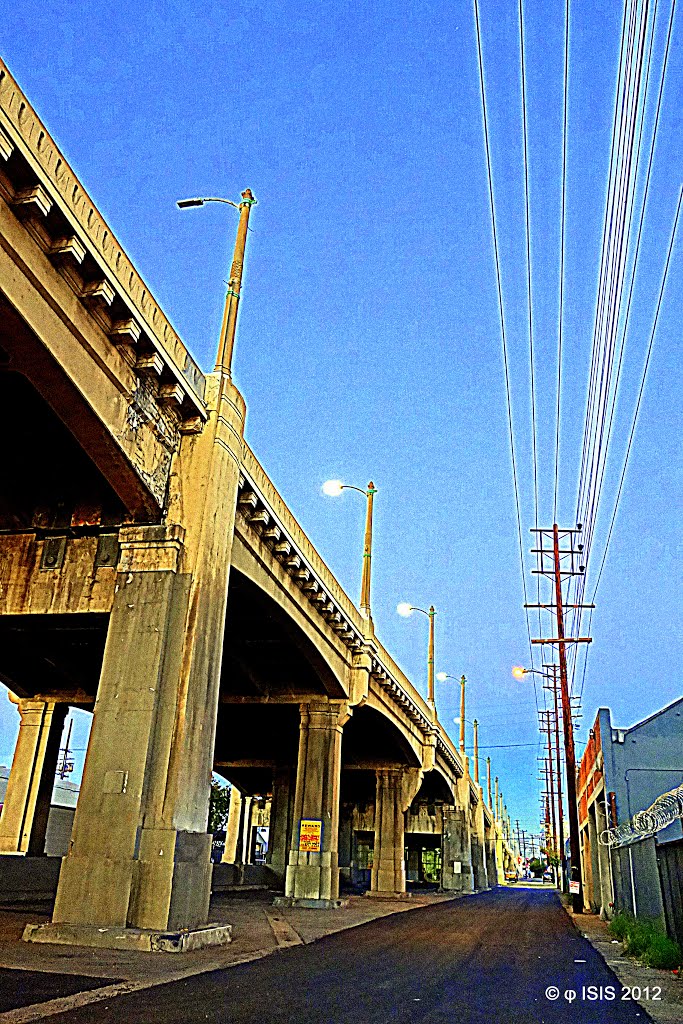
[550, 564]
[558, 774]
[568, 727]
[545, 727]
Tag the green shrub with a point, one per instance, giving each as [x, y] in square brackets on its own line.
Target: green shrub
[639, 937]
[646, 940]
[663, 953]
[619, 925]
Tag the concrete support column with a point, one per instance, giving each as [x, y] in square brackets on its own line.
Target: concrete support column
[500, 853]
[245, 830]
[232, 829]
[140, 852]
[312, 878]
[490, 852]
[116, 854]
[29, 788]
[478, 844]
[279, 835]
[388, 867]
[456, 867]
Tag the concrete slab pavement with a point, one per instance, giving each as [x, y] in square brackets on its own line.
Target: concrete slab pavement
[666, 1010]
[73, 975]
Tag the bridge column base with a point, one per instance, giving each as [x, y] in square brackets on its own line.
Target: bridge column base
[375, 895]
[309, 904]
[313, 874]
[388, 877]
[280, 822]
[456, 870]
[145, 940]
[130, 865]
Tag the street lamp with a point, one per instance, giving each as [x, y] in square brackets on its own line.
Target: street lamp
[475, 730]
[229, 325]
[406, 610]
[333, 489]
[442, 677]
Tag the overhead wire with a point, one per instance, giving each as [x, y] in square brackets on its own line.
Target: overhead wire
[624, 160]
[626, 322]
[616, 230]
[527, 224]
[501, 312]
[641, 390]
[615, 239]
[563, 218]
[605, 251]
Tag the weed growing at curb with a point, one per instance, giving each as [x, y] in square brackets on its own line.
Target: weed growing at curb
[646, 940]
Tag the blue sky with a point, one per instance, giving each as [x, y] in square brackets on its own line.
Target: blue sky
[369, 344]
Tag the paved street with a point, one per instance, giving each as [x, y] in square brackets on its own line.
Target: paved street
[488, 958]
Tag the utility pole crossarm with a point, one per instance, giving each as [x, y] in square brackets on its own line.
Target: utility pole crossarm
[564, 640]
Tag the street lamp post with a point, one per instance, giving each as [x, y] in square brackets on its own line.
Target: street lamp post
[475, 725]
[229, 326]
[333, 488]
[406, 610]
[442, 677]
[475, 733]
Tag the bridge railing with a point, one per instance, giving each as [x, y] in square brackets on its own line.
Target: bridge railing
[258, 476]
[418, 707]
[21, 128]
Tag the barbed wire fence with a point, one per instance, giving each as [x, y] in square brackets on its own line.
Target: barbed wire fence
[645, 824]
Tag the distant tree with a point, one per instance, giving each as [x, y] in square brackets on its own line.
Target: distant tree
[218, 806]
[537, 867]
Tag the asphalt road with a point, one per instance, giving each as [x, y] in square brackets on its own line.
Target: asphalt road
[488, 958]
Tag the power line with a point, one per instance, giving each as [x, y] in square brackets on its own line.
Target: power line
[502, 323]
[626, 325]
[629, 114]
[641, 389]
[562, 253]
[527, 215]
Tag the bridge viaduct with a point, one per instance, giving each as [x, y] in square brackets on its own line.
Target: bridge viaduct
[151, 573]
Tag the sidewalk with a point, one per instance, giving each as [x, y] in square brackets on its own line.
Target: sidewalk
[37, 981]
[668, 1010]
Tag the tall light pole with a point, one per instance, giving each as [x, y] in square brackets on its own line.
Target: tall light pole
[333, 488]
[442, 677]
[226, 343]
[475, 724]
[488, 782]
[406, 610]
[475, 733]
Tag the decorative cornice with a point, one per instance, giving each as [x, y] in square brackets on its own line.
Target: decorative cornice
[391, 686]
[87, 238]
[450, 756]
[260, 518]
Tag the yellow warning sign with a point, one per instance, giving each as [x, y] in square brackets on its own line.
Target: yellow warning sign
[310, 836]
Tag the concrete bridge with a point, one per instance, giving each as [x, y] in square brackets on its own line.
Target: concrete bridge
[151, 573]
